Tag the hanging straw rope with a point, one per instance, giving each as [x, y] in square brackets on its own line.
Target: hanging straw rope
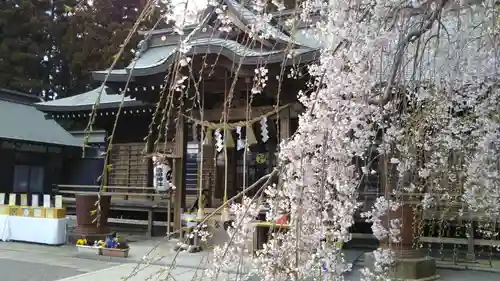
[232, 126]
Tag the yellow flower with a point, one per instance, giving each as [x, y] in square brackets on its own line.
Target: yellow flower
[101, 244]
[81, 241]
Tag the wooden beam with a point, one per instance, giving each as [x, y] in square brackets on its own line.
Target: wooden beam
[239, 113]
[215, 86]
[128, 221]
[68, 186]
[112, 193]
[284, 124]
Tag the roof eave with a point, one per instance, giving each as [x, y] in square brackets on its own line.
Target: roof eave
[59, 144]
[87, 107]
[100, 75]
[304, 57]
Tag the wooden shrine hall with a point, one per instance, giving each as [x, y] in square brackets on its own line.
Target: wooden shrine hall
[130, 178]
[219, 88]
[217, 78]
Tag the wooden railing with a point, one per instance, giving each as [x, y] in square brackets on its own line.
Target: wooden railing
[117, 192]
[124, 198]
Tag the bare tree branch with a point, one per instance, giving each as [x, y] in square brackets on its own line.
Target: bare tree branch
[409, 38]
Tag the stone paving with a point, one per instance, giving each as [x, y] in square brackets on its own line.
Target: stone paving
[156, 272]
[14, 270]
[28, 262]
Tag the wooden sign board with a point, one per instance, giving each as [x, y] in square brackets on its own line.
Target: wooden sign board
[12, 199]
[13, 211]
[25, 212]
[38, 213]
[46, 200]
[58, 201]
[49, 213]
[24, 199]
[55, 213]
[34, 200]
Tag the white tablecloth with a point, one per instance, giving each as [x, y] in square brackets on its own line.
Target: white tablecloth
[37, 230]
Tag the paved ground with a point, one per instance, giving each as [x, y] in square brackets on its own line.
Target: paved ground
[445, 274]
[28, 262]
[28, 271]
[156, 272]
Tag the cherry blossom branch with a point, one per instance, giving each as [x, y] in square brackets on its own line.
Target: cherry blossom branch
[322, 78]
[267, 179]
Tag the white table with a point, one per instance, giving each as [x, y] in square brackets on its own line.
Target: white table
[37, 230]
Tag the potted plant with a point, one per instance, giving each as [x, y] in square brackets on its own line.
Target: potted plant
[113, 246]
[83, 246]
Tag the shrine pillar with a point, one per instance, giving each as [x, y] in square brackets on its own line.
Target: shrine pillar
[179, 150]
[207, 179]
[284, 124]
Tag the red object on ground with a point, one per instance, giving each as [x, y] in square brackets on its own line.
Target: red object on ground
[282, 220]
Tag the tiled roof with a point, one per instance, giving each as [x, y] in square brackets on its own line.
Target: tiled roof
[85, 101]
[159, 56]
[24, 122]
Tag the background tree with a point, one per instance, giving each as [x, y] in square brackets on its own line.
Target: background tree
[93, 36]
[50, 47]
[24, 29]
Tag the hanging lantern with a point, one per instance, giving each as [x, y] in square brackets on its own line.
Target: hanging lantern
[264, 132]
[251, 139]
[228, 139]
[162, 173]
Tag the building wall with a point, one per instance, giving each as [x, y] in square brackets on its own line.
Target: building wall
[29, 172]
[7, 160]
[82, 171]
[127, 161]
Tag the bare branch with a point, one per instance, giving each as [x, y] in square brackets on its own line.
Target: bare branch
[409, 38]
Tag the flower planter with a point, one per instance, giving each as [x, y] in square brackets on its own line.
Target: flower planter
[88, 250]
[111, 252]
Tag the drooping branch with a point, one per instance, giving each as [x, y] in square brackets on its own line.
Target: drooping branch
[409, 38]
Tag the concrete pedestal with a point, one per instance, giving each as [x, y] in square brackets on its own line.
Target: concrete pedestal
[409, 264]
[416, 268]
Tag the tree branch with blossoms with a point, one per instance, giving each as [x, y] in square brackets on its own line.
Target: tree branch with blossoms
[398, 58]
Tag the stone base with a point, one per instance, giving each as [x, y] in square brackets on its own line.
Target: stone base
[408, 269]
[188, 248]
